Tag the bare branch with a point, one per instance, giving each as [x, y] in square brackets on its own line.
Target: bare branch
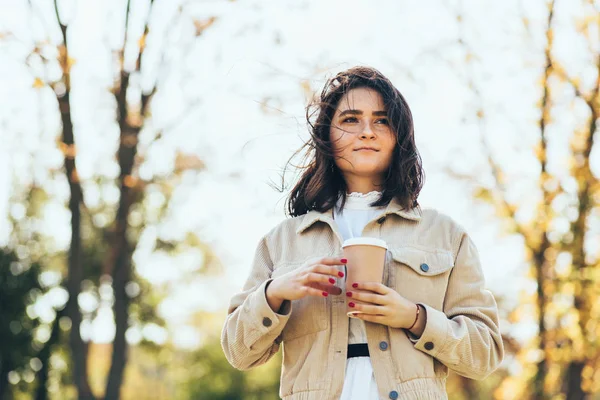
[560, 71]
[499, 190]
[63, 28]
[122, 52]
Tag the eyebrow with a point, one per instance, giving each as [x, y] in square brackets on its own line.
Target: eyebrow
[359, 112]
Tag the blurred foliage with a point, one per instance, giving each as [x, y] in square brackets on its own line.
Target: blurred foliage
[19, 290]
[211, 377]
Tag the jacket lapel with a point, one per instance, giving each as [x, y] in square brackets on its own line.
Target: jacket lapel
[393, 207]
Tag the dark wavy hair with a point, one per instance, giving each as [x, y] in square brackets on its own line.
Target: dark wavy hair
[322, 183]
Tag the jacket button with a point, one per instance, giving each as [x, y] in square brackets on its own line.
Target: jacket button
[393, 395]
[429, 346]
[267, 321]
[380, 220]
[383, 345]
[424, 267]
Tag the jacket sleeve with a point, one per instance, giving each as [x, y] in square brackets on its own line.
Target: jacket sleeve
[466, 335]
[250, 335]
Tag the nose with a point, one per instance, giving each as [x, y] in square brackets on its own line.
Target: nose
[367, 132]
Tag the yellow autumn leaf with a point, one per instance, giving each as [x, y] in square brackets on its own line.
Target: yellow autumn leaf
[202, 25]
[130, 181]
[142, 42]
[185, 162]
[38, 83]
[62, 52]
[68, 150]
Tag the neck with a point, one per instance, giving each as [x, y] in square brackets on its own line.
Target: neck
[362, 185]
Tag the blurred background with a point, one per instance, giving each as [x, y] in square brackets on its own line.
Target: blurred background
[142, 151]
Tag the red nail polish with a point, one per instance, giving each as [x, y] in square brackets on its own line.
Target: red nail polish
[344, 260]
[349, 294]
[331, 280]
[355, 285]
[351, 304]
[341, 274]
[325, 294]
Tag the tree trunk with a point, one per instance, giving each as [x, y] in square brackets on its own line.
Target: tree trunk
[119, 264]
[75, 269]
[573, 388]
[539, 391]
[121, 277]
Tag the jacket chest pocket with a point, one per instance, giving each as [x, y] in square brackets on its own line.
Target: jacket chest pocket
[421, 274]
[309, 314]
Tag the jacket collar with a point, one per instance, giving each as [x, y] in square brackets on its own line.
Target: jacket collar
[393, 207]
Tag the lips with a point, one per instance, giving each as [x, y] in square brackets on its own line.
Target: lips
[366, 149]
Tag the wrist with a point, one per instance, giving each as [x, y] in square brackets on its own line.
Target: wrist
[417, 312]
[419, 325]
[273, 299]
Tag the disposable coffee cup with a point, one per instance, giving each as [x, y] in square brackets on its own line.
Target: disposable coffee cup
[366, 259]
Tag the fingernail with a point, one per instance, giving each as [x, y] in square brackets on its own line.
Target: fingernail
[349, 294]
[355, 285]
[341, 274]
[344, 260]
[325, 294]
[351, 304]
[331, 280]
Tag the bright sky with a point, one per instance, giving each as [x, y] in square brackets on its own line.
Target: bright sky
[260, 52]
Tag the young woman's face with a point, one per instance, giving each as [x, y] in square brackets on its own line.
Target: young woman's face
[360, 120]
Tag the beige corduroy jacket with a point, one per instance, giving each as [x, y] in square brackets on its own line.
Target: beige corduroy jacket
[431, 260]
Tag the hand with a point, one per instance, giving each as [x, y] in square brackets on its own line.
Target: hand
[315, 278]
[386, 306]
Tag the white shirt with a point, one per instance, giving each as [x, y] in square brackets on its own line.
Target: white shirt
[359, 381]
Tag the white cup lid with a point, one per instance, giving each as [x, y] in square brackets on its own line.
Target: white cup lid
[364, 241]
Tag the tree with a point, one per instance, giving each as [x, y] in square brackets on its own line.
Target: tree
[113, 241]
[557, 236]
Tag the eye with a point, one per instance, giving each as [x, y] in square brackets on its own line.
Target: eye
[350, 119]
[383, 120]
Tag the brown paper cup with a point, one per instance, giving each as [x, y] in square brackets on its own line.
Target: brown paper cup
[366, 259]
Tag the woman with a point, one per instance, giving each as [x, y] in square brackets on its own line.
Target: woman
[430, 314]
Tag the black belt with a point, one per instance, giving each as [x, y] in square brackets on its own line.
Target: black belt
[358, 350]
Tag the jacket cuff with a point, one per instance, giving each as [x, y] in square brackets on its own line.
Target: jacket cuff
[264, 320]
[436, 332]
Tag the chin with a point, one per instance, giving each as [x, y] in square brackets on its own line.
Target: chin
[367, 169]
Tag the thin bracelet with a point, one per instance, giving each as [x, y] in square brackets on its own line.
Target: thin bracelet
[416, 318]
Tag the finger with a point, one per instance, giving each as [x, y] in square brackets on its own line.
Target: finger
[368, 309]
[328, 270]
[331, 261]
[331, 289]
[372, 286]
[312, 291]
[371, 318]
[367, 297]
[315, 277]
